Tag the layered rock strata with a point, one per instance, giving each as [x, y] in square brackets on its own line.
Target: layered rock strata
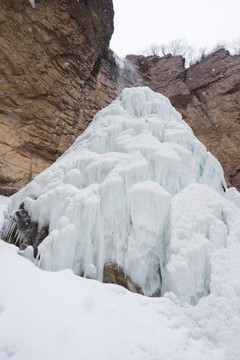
[56, 72]
[50, 57]
[208, 96]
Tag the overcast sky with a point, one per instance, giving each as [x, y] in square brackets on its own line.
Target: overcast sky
[140, 23]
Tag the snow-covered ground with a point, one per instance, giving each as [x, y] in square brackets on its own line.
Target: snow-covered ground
[61, 316]
[137, 188]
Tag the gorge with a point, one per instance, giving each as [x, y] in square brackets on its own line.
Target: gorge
[57, 72]
[119, 222]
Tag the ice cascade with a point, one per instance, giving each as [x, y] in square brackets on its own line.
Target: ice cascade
[111, 197]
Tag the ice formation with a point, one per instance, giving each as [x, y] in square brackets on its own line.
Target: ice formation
[201, 229]
[32, 2]
[121, 194]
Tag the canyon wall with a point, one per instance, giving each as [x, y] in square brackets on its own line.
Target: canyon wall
[50, 57]
[208, 96]
[56, 72]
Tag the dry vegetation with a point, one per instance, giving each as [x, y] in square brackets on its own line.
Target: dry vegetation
[189, 52]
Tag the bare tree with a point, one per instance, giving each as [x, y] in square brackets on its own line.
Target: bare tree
[157, 50]
[236, 47]
[195, 57]
[175, 47]
[218, 46]
[154, 50]
[192, 56]
[163, 49]
[202, 52]
[190, 53]
[179, 47]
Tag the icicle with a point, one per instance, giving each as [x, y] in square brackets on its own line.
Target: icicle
[108, 198]
[10, 228]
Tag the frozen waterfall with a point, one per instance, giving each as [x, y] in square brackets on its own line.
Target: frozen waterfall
[122, 193]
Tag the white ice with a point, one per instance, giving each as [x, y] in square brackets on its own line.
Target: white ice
[108, 198]
[32, 2]
[3, 208]
[204, 226]
[138, 189]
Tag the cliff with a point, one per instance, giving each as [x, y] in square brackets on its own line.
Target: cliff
[50, 57]
[208, 96]
[56, 72]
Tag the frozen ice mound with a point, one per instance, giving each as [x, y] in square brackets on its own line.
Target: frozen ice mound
[204, 224]
[111, 197]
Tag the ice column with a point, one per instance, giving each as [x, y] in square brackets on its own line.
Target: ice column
[149, 238]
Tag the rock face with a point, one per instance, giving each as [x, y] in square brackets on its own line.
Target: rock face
[214, 110]
[22, 232]
[56, 72]
[113, 274]
[208, 96]
[165, 75]
[50, 58]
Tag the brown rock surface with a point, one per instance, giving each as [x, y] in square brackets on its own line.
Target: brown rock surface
[113, 274]
[165, 75]
[208, 96]
[56, 72]
[50, 57]
[214, 110]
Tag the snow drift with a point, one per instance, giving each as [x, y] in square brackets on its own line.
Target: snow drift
[138, 189]
[122, 193]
